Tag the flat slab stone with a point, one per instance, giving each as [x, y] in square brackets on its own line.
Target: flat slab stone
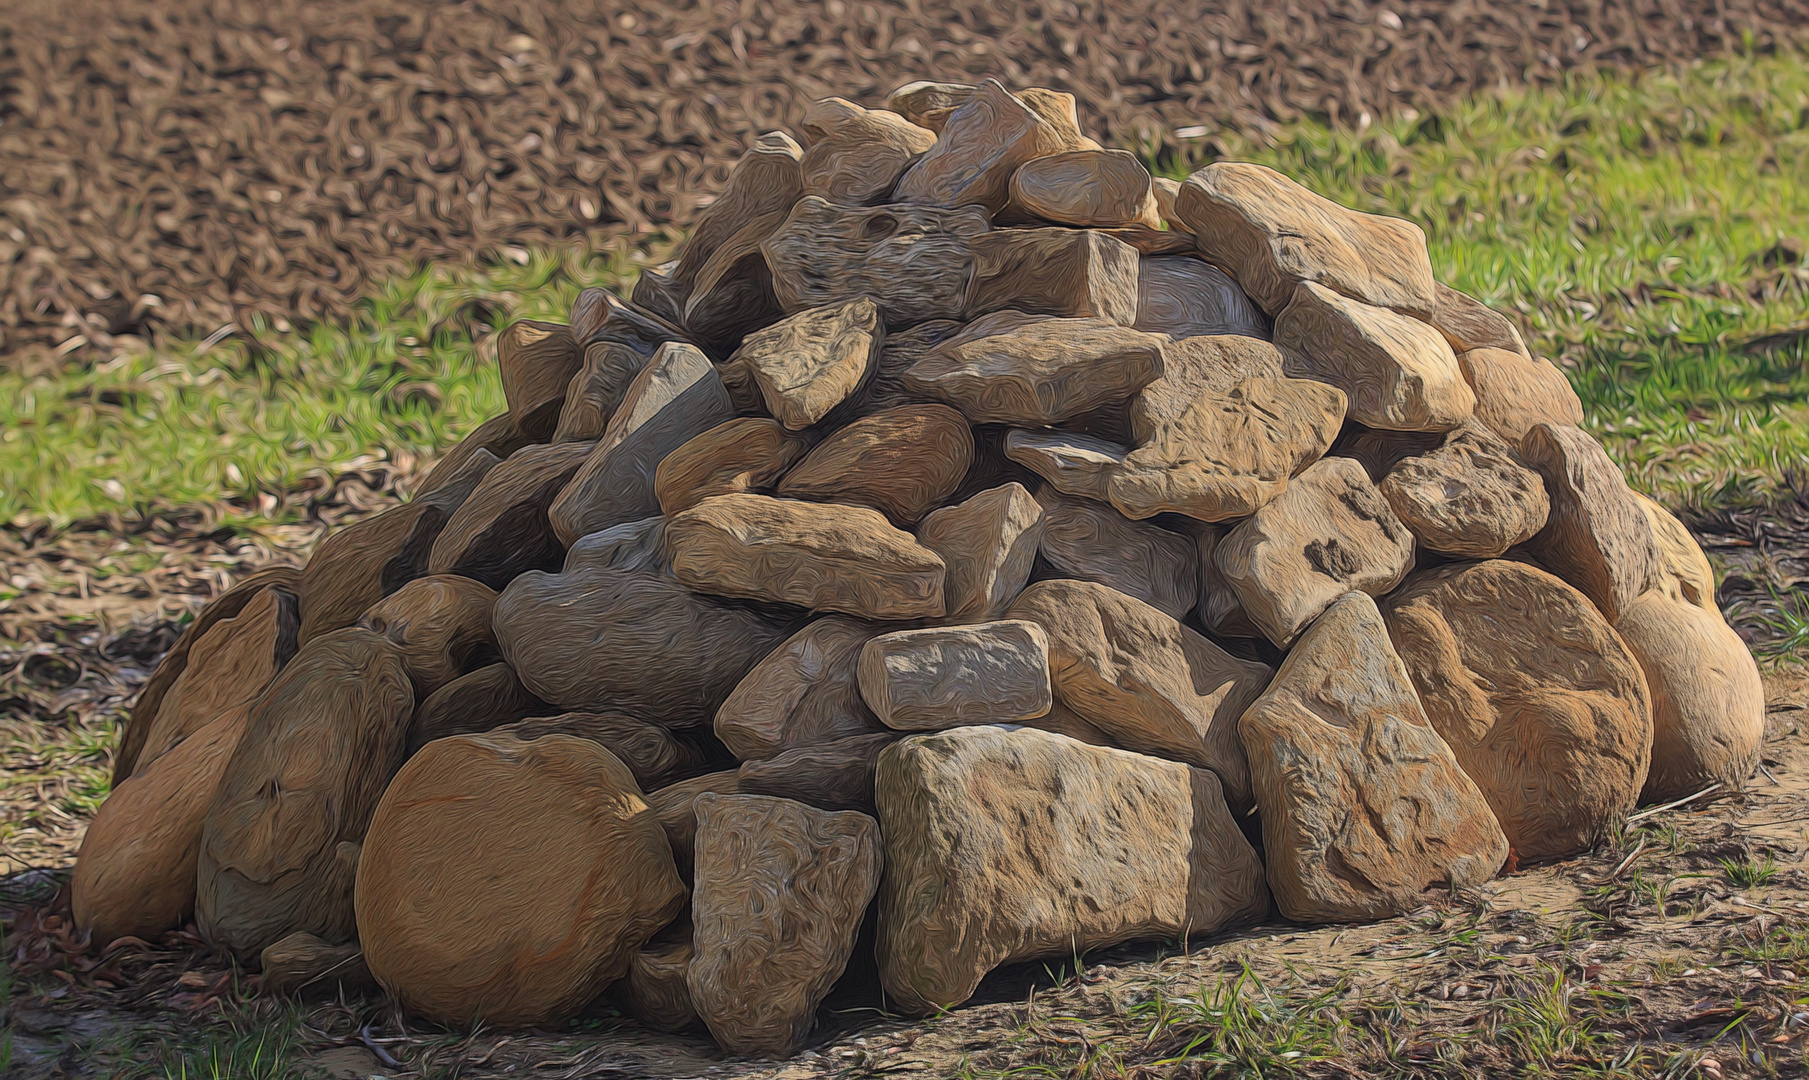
[1008, 368]
[748, 453]
[596, 391]
[989, 544]
[1071, 272]
[807, 364]
[904, 462]
[1468, 323]
[943, 676]
[1193, 367]
[1398, 372]
[503, 529]
[1072, 463]
[834, 775]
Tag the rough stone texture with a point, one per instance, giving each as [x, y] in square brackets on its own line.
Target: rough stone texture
[1598, 536]
[1166, 192]
[1090, 188]
[808, 363]
[1398, 372]
[914, 261]
[1184, 296]
[1328, 533]
[600, 315]
[980, 144]
[942, 676]
[503, 530]
[1272, 234]
[1684, 572]
[780, 891]
[1363, 805]
[302, 964]
[654, 756]
[1219, 609]
[672, 805]
[1538, 697]
[974, 820]
[769, 178]
[857, 155]
[824, 558]
[803, 693]
[1708, 704]
[1515, 394]
[904, 462]
[835, 775]
[988, 544]
[639, 546]
[596, 391]
[1060, 111]
[654, 990]
[748, 453]
[1470, 498]
[441, 624]
[280, 846]
[1151, 684]
[1231, 452]
[1468, 323]
[537, 361]
[487, 698]
[628, 642]
[1194, 367]
[510, 881]
[675, 398]
[1087, 541]
[1072, 463]
[1074, 272]
[1009, 369]
[928, 103]
[734, 293]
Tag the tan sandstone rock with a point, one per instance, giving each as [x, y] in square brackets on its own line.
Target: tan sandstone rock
[1089, 541]
[1009, 369]
[537, 361]
[442, 625]
[768, 178]
[1398, 372]
[807, 364]
[1598, 537]
[1071, 272]
[857, 155]
[748, 453]
[1072, 463]
[303, 964]
[1515, 394]
[1470, 498]
[942, 676]
[988, 544]
[803, 693]
[1090, 188]
[1468, 323]
[1196, 366]
[904, 462]
[503, 530]
[596, 391]
[980, 144]
[914, 261]
[918, 101]
[1684, 571]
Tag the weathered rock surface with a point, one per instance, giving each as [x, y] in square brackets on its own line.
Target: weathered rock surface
[803, 693]
[904, 462]
[600, 315]
[1330, 532]
[1598, 536]
[1090, 188]
[974, 818]
[672, 805]
[918, 102]
[779, 894]
[639, 546]
[1072, 463]
[734, 293]
[1470, 498]
[1515, 394]
[808, 363]
[1009, 369]
[980, 145]
[1398, 372]
[857, 155]
[503, 529]
[1148, 682]
[1363, 805]
[537, 361]
[834, 775]
[1684, 572]
[1468, 323]
[914, 261]
[1194, 367]
[1219, 609]
[511, 881]
[1184, 296]
[653, 755]
[487, 698]
[988, 544]
[1061, 112]
[942, 676]
[1538, 697]
[596, 391]
[303, 964]
[825, 558]
[1088, 541]
[490, 442]
[1272, 234]
[441, 624]
[748, 453]
[654, 990]
[769, 178]
[1070, 272]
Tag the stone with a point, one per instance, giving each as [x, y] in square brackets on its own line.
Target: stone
[672, 804]
[600, 315]
[988, 544]
[1684, 572]
[1219, 609]
[629, 642]
[807, 364]
[1708, 703]
[1184, 296]
[780, 891]
[510, 881]
[1363, 806]
[659, 293]
[474, 455]
[654, 990]
[639, 546]
[503, 529]
[1330, 532]
[734, 292]
[1515, 394]
[280, 845]
[653, 755]
[1194, 367]
[1598, 537]
[858, 158]
[914, 261]
[1399, 373]
[1230, 453]
[1072, 463]
[677, 397]
[1468, 323]
[1088, 541]
[1468, 499]
[1061, 720]
[903, 462]
[596, 391]
[943, 676]
[885, 388]
[441, 624]
[918, 101]
[748, 453]
[847, 559]
[1271, 234]
[1058, 110]
[804, 693]
[833, 775]
[486, 698]
[1089, 188]
[1072, 272]
[975, 819]
[1007, 369]
[302, 964]
[1147, 682]
[537, 361]
[1166, 192]
[1544, 706]
[980, 145]
[768, 179]
[1151, 242]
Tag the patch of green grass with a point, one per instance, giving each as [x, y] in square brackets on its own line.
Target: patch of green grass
[1748, 872]
[1238, 1028]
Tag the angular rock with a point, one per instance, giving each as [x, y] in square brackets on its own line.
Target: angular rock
[302, 964]
[834, 775]
[672, 804]
[1149, 683]
[1399, 373]
[465, 464]
[918, 101]
[1230, 453]
[1072, 463]
[503, 529]
[280, 846]
[441, 623]
[660, 294]
[808, 363]
[1166, 192]
[1328, 533]
[1089, 188]
[1194, 367]
[1598, 536]
[1271, 234]
[487, 698]
[859, 154]
[1363, 806]
[1184, 296]
[628, 642]
[943, 676]
[654, 990]
[1684, 572]
[1088, 541]
[655, 756]
[748, 453]
[1080, 273]
[600, 315]
[824, 558]
[677, 397]
[733, 294]
[1538, 697]
[781, 889]
[914, 261]
[1515, 394]
[537, 361]
[639, 546]
[1468, 499]
[769, 178]
[975, 818]
[803, 693]
[1468, 323]
[1058, 110]
[1009, 369]
[988, 544]
[1219, 609]
[979, 147]
[596, 391]
[511, 881]
[904, 462]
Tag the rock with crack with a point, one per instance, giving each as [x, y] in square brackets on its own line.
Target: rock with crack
[942, 676]
[988, 544]
[806, 364]
[857, 155]
[1089, 541]
[914, 261]
[1468, 499]
[904, 462]
[1184, 296]
[1072, 463]
[1597, 537]
[1010, 368]
[1072, 272]
[980, 145]
[748, 453]
[1399, 373]
[1193, 367]
[804, 693]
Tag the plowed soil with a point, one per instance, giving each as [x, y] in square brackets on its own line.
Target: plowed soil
[175, 165]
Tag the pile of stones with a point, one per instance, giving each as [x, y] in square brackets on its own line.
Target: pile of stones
[969, 551]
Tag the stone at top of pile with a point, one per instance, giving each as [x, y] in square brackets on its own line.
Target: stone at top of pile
[966, 529]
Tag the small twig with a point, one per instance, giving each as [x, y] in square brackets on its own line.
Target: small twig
[1626, 862]
[1644, 814]
[1768, 776]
